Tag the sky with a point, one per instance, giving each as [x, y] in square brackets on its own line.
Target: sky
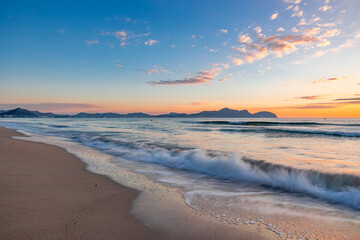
[296, 58]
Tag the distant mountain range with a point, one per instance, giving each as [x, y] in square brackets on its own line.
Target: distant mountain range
[223, 113]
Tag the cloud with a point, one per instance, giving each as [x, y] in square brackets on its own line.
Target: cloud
[149, 71]
[257, 29]
[91, 42]
[125, 37]
[224, 31]
[61, 31]
[288, 44]
[280, 29]
[297, 14]
[335, 103]
[357, 35]
[325, 8]
[118, 65]
[110, 44]
[347, 99]
[257, 52]
[237, 61]
[56, 107]
[156, 69]
[315, 106]
[324, 80]
[326, 24]
[120, 34]
[312, 31]
[348, 43]
[213, 50]
[294, 29]
[324, 43]
[200, 77]
[274, 16]
[201, 103]
[223, 80]
[331, 33]
[150, 42]
[244, 38]
[311, 21]
[310, 97]
[318, 53]
[276, 44]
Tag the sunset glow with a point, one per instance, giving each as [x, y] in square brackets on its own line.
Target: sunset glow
[296, 58]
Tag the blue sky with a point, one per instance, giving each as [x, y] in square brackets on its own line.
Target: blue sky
[294, 57]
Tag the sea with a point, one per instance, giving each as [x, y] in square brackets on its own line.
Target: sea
[245, 170]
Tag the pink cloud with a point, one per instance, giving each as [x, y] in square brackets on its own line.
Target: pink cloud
[244, 38]
[200, 77]
[258, 52]
[325, 8]
[237, 61]
[274, 16]
[310, 97]
[331, 33]
[155, 69]
[120, 34]
[324, 80]
[276, 44]
[257, 29]
[150, 42]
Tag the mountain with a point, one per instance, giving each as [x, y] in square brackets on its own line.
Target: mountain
[40, 114]
[18, 112]
[264, 114]
[172, 115]
[222, 113]
[110, 115]
[96, 115]
[137, 115]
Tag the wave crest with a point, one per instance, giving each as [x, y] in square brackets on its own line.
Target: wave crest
[335, 188]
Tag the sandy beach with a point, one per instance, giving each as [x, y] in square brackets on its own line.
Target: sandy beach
[48, 194]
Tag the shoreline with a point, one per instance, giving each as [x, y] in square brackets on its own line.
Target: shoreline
[49, 194]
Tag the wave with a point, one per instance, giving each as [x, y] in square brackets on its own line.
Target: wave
[335, 188]
[296, 131]
[58, 126]
[261, 123]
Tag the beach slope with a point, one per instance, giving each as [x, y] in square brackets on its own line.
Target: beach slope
[47, 193]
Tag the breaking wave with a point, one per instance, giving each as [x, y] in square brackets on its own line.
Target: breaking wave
[296, 131]
[260, 123]
[335, 188]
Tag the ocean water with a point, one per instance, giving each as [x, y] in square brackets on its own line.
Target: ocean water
[253, 167]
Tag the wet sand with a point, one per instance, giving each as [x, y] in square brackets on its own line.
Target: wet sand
[46, 193]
